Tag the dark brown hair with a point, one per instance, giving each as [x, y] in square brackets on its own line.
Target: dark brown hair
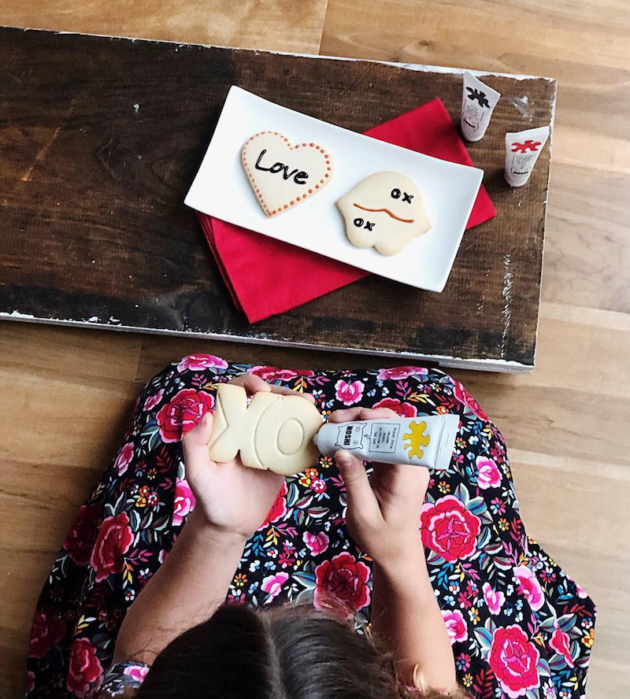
[292, 652]
[288, 653]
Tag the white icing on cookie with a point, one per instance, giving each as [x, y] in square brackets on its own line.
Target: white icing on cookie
[283, 175]
[384, 211]
[273, 432]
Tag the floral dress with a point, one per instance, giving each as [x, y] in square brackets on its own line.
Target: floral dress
[519, 626]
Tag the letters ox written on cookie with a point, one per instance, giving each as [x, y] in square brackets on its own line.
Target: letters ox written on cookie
[384, 211]
[273, 432]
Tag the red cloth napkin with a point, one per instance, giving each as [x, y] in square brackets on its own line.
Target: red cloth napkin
[266, 276]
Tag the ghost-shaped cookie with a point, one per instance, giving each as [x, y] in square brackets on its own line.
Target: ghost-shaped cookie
[384, 211]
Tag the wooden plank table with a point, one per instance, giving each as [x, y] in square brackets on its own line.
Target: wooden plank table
[100, 139]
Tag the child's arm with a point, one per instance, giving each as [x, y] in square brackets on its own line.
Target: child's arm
[232, 502]
[192, 582]
[406, 615]
[383, 518]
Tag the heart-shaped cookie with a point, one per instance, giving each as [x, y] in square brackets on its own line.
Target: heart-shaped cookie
[283, 175]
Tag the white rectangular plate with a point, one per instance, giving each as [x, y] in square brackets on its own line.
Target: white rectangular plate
[222, 189]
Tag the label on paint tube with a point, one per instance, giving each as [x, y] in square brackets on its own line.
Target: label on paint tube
[478, 102]
[521, 153]
[420, 441]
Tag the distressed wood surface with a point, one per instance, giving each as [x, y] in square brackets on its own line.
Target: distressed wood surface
[65, 393]
[566, 422]
[94, 229]
[274, 25]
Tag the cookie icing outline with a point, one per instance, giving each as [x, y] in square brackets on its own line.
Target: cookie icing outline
[312, 189]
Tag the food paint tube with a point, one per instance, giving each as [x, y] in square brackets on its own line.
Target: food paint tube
[521, 153]
[478, 102]
[420, 441]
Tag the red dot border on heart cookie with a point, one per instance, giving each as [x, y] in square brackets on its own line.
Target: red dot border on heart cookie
[297, 200]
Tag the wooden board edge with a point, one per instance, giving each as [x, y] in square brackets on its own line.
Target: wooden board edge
[397, 64]
[493, 365]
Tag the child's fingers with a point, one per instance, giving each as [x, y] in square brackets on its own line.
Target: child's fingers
[251, 383]
[195, 444]
[346, 415]
[284, 391]
[351, 414]
[255, 384]
[378, 414]
[398, 480]
[361, 499]
[199, 435]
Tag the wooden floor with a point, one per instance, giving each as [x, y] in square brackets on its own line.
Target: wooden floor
[65, 393]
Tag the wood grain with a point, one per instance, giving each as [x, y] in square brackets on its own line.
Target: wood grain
[572, 482]
[94, 228]
[566, 422]
[64, 402]
[278, 25]
[587, 253]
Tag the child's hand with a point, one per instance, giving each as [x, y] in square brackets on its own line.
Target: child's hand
[254, 384]
[383, 514]
[231, 498]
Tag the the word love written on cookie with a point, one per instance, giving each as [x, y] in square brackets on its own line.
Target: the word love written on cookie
[283, 175]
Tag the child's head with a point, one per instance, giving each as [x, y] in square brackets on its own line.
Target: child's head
[288, 653]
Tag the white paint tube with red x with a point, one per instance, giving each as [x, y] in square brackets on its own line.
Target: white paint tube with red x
[521, 153]
[478, 103]
[419, 441]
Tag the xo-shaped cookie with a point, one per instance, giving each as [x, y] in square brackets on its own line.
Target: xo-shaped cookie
[273, 432]
[384, 211]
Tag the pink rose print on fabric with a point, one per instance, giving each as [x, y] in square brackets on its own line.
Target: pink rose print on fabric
[318, 485]
[400, 372]
[273, 584]
[199, 362]
[279, 508]
[114, 540]
[402, 409]
[46, 632]
[184, 502]
[82, 535]
[529, 587]
[125, 455]
[488, 474]
[348, 393]
[154, 400]
[183, 412]
[84, 669]
[344, 579]
[513, 659]
[30, 682]
[455, 625]
[457, 528]
[560, 643]
[464, 397]
[581, 592]
[272, 373]
[449, 529]
[316, 543]
[494, 600]
[137, 672]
